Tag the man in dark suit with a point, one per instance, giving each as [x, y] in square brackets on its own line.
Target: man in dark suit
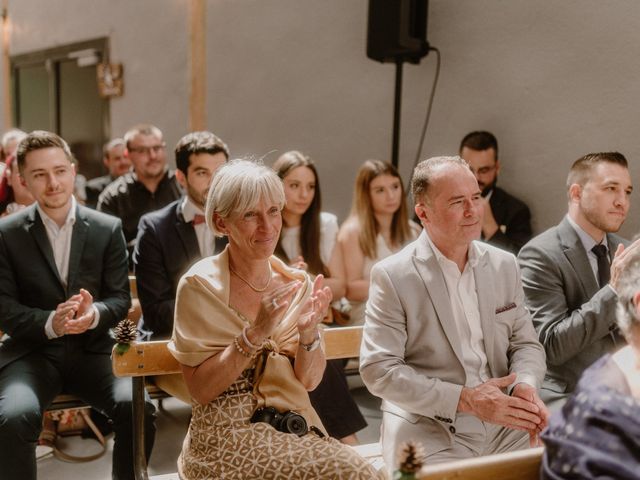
[171, 239]
[117, 164]
[570, 273]
[63, 285]
[507, 221]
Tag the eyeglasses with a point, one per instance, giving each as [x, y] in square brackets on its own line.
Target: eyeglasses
[147, 150]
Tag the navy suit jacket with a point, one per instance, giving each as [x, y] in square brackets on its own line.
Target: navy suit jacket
[165, 249]
[30, 286]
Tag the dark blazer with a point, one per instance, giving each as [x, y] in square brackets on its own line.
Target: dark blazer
[165, 249]
[30, 287]
[574, 317]
[514, 221]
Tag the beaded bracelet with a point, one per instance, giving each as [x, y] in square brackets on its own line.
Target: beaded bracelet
[239, 348]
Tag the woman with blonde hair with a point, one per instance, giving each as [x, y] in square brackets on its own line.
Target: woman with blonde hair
[377, 227]
[246, 335]
[308, 241]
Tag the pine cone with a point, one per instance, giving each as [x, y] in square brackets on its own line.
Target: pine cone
[410, 457]
[125, 332]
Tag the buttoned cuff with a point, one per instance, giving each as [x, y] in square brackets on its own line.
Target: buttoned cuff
[523, 378]
[48, 327]
[96, 317]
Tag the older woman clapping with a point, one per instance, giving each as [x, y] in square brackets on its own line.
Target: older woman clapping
[246, 336]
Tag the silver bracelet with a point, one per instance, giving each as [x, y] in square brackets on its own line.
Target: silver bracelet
[247, 342]
[310, 347]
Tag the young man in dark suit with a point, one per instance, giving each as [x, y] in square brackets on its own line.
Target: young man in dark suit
[506, 221]
[63, 285]
[570, 273]
[171, 239]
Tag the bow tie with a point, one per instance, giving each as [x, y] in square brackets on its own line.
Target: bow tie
[197, 219]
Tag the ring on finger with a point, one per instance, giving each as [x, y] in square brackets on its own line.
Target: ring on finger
[274, 303]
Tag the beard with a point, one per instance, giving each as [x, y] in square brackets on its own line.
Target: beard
[488, 187]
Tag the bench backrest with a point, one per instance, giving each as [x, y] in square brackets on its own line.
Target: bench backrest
[520, 465]
[154, 358]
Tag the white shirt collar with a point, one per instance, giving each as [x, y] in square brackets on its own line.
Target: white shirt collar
[71, 216]
[190, 209]
[587, 240]
[473, 256]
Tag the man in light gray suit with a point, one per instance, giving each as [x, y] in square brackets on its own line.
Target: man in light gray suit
[570, 286]
[447, 343]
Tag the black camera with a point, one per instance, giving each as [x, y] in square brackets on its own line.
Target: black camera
[287, 422]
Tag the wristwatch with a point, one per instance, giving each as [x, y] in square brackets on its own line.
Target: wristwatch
[310, 347]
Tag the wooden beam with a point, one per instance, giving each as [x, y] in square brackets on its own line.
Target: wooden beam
[198, 93]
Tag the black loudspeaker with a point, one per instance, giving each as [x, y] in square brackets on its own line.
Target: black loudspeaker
[397, 30]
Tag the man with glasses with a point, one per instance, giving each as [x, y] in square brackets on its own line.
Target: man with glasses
[507, 221]
[150, 186]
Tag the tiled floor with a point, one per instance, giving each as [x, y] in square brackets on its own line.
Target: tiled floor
[171, 425]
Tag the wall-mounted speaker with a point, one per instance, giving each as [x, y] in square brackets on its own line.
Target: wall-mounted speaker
[397, 30]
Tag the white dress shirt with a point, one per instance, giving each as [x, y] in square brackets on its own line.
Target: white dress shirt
[588, 243]
[60, 240]
[206, 240]
[461, 287]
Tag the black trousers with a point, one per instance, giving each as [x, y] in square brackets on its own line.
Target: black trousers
[29, 385]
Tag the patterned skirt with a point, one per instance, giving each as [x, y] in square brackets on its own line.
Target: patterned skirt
[222, 444]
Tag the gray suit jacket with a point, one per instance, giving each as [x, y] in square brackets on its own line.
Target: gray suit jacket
[575, 319]
[411, 353]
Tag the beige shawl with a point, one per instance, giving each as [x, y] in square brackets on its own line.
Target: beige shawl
[205, 324]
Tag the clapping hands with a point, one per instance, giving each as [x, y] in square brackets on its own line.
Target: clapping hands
[74, 316]
[314, 310]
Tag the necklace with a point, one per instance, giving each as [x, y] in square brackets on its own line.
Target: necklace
[253, 287]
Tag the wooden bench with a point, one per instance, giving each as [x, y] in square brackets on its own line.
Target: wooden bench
[520, 465]
[153, 358]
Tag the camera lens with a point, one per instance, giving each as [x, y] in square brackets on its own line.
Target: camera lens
[267, 415]
[294, 423]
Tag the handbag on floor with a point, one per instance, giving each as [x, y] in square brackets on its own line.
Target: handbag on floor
[63, 423]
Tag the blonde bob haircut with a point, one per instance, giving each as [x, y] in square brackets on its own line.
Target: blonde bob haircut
[239, 186]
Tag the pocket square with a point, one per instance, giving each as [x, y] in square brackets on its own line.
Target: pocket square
[505, 308]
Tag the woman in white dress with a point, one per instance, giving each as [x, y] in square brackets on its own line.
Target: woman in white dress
[377, 227]
[308, 241]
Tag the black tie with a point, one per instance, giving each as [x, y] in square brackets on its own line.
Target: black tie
[604, 269]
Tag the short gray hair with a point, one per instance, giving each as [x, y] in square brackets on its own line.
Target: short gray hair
[116, 142]
[425, 171]
[628, 286]
[145, 129]
[13, 134]
[239, 186]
